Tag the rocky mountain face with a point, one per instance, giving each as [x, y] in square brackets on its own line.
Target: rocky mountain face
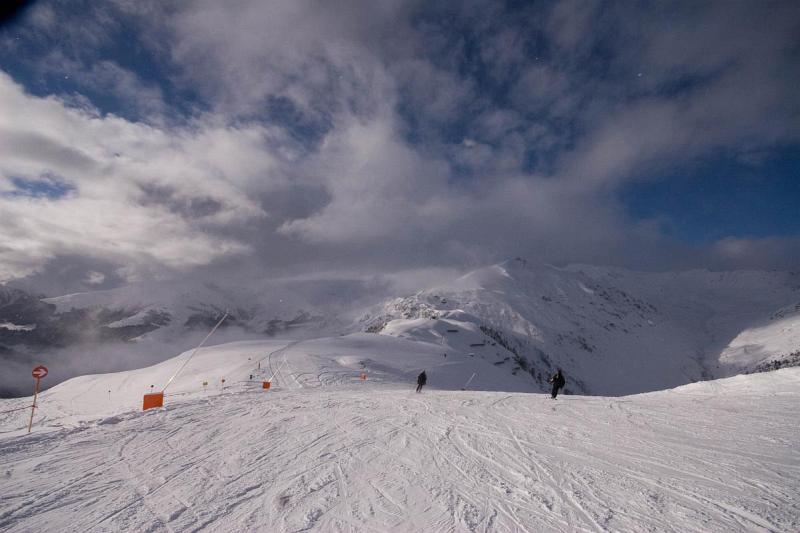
[612, 331]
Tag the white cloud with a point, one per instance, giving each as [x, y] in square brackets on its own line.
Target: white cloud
[95, 278]
[135, 185]
[322, 57]
[380, 187]
[756, 253]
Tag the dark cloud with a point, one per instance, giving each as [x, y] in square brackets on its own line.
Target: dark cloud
[69, 274]
[168, 198]
[43, 150]
[11, 10]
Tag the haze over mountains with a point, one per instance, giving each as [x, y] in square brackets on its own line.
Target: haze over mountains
[613, 331]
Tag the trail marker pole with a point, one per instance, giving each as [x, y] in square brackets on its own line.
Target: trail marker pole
[33, 405]
[38, 373]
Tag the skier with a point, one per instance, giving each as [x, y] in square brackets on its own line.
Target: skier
[558, 382]
[421, 380]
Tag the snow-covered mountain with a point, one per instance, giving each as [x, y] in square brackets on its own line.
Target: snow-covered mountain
[613, 331]
[769, 345]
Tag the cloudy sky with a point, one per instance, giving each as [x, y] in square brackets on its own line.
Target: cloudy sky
[150, 139]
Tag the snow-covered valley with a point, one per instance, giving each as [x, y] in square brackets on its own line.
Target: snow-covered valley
[322, 450]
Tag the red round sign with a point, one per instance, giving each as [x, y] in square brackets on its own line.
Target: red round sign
[39, 372]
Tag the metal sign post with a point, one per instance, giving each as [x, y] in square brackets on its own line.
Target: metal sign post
[38, 373]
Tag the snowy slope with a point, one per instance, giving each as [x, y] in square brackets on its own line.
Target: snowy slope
[325, 452]
[712, 308]
[287, 364]
[768, 346]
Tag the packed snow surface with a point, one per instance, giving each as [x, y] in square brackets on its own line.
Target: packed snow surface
[323, 450]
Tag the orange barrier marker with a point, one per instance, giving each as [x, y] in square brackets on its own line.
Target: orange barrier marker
[266, 385]
[155, 399]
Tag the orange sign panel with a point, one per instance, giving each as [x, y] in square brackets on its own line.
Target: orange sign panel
[155, 399]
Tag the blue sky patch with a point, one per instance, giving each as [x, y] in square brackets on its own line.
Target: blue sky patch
[722, 196]
[49, 187]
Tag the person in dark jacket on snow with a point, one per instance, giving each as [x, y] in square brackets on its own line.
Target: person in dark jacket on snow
[558, 382]
[422, 379]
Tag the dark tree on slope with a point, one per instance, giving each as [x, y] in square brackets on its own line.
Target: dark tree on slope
[793, 359]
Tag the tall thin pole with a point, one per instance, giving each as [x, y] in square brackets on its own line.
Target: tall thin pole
[33, 407]
[469, 381]
[195, 351]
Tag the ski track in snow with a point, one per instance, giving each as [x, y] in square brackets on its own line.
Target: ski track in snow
[323, 452]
